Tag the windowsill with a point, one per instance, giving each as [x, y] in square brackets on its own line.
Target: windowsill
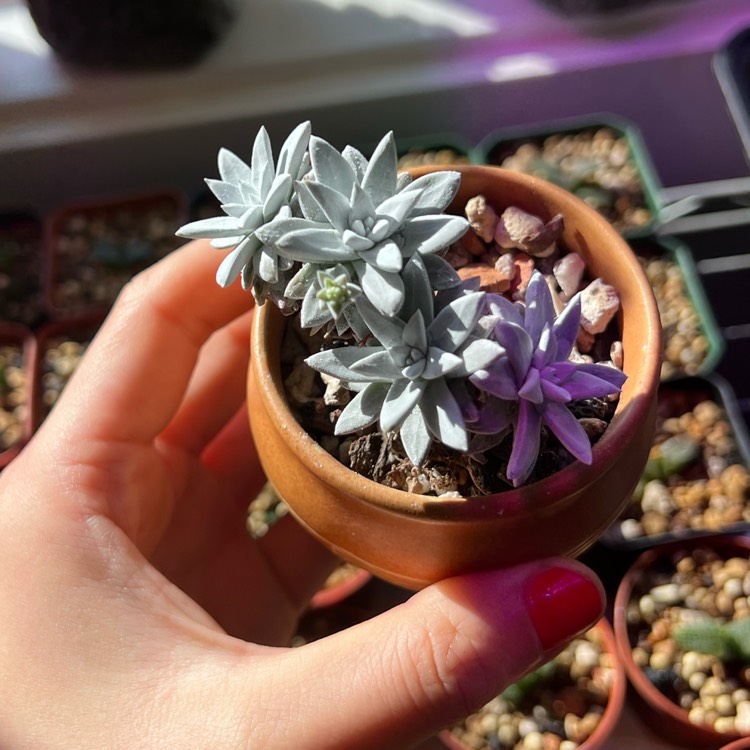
[271, 62]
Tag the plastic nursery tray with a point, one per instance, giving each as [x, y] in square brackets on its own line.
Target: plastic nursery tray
[17, 353]
[732, 68]
[701, 327]
[678, 397]
[20, 261]
[59, 348]
[436, 148]
[94, 248]
[496, 147]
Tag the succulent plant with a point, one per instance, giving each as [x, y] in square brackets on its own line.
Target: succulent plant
[355, 247]
[727, 641]
[252, 196]
[537, 375]
[361, 213]
[403, 380]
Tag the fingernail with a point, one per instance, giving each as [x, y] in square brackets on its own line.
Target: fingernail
[562, 603]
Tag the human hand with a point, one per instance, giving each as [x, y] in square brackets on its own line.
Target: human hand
[136, 612]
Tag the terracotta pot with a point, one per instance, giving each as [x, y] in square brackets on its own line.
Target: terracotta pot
[661, 714]
[412, 540]
[612, 711]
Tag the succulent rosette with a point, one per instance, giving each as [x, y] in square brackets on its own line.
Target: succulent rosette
[537, 375]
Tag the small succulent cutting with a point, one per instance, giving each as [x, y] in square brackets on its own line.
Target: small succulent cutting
[356, 249]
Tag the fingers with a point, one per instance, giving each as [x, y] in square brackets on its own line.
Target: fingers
[416, 669]
[134, 376]
[216, 388]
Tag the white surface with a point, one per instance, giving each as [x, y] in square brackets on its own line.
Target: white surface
[289, 55]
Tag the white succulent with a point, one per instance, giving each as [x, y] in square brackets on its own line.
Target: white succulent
[251, 196]
[360, 213]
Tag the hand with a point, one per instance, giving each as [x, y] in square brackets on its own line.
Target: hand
[136, 612]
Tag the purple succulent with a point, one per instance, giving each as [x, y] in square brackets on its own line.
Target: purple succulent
[536, 373]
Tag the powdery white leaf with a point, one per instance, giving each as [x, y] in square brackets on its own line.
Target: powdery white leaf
[232, 169]
[217, 226]
[363, 410]
[330, 167]
[380, 177]
[436, 190]
[428, 234]
[292, 152]
[385, 290]
[226, 192]
[403, 396]
[278, 195]
[338, 362]
[232, 265]
[443, 416]
[415, 436]
[453, 324]
[356, 161]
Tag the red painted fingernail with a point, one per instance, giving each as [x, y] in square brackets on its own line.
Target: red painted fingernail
[562, 603]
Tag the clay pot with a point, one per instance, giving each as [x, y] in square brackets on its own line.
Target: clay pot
[412, 540]
[659, 712]
[612, 711]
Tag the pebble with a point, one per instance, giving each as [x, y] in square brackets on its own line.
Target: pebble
[482, 217]
[599, 304]
[13, 395]
[714, 498]
[597, 164]
[568, 272]
[701, 585]
[685, 343]
[558, 713]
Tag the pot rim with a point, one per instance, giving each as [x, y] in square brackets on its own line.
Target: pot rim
[633, 408]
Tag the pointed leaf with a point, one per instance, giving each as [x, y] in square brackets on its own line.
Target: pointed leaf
[313, 246]
[565, 328]
[428, 234]
[436, 190]
[293, 151]
[312, 314]
[415, 436]
[499, 379]
[443, 416]
[402, 397]
[386, 256]
[233, 264]
[586, 385]
[266, 265]
[417, 291]
[218, 226]
[396, 209]
[380, 178]
[379, 367]
[540, 310]
[333, 205]
[526, 439]
[330, 167]
[338, 362]
[388, 331]
[385, 290]
[531, 388]
[441, 364]
[226, 192]
[442, 275]
[518, 347]
[278, 195]
[262, 164]
[356, 160]
[478, 354]
[455, 322]
[363, 410]
[308, 205]
[232, 169]
[301, 282]
[361, 207]
[568, 430]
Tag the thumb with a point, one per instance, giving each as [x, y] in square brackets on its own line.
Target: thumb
[402, 676]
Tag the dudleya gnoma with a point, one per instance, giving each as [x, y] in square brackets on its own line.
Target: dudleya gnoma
[356, 248]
